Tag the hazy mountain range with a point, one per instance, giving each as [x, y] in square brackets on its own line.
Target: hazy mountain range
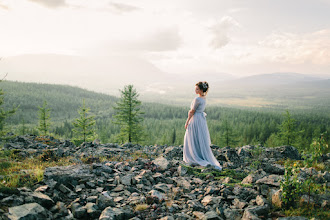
[108, 75]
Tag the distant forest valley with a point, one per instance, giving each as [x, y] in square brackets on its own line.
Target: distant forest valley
[163, 124]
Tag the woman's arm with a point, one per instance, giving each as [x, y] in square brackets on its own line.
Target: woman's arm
[190, 114]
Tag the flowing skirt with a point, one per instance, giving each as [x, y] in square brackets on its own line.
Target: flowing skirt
[196, 147]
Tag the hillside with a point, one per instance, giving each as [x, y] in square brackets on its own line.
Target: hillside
[163, 124]
[64, 101]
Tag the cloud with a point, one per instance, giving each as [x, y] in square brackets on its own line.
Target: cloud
[166, 39]
[50, 3]
[220, 30]
[122, 8]
[298, 48]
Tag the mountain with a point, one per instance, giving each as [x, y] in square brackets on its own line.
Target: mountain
[276, 79]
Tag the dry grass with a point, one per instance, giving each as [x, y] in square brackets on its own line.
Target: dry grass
[141, 207]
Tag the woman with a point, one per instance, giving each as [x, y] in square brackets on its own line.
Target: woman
[196, 148]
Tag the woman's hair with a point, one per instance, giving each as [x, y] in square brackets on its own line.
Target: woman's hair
[204, 86]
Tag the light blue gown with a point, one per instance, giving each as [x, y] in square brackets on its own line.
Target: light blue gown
[196, 147]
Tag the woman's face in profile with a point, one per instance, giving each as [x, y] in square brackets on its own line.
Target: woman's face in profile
[197, 90]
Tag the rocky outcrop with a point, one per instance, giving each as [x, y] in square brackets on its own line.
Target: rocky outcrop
[161, 187]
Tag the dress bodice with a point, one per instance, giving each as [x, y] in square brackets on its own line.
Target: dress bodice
[198, 104]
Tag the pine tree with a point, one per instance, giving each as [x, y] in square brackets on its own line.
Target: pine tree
[288, 132]
[84, 126]
[4, 114]
[44, 119]
[173, 136]
[128, 115]
[228, 134]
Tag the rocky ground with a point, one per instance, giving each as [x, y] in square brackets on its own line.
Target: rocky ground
[152, 182]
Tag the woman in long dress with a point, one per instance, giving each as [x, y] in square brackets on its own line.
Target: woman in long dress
[196, 147]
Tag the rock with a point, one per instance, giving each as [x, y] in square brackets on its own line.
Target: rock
[198, 215]
[104, 200]
[259, 210]
[207, 200]
[173, 152]
[251, 178]
[167, 218]
[162, 162]
[28, 211]
[239, 204]
[78, 211]
[272, 180]
[68, 174]
[182, 216]
[233, 214]
[231, 156]
[248, 215]
[293, 218]
[282, 152]
[182, 170]
[195, 205]
[261, 201]
[276, 198]
[159, 195]
[115, 214]
[211, 215]
[42, 199]
[12, 201]
[127, 180]
[273, 168]
[92, 210]
[183, 183]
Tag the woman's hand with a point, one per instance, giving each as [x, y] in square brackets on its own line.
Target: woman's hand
[186, 125]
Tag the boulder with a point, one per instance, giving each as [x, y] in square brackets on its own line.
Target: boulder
[28, 211]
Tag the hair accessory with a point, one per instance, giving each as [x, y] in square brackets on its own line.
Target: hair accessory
[204, 85]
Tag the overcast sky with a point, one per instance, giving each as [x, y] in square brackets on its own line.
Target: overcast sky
[238, 37]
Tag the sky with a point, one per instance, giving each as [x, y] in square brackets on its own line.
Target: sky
[108, 39]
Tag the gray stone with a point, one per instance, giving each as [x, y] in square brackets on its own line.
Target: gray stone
[233, 214]
[273, 168]
[182, 170]
[157, 194]
[239, 204]
[127, 180]
[248, 215]
[68, 174]
[272, 180]
[115, 214]
[104, 200]
[42, 199]
[211, 215]
[78, 211]
[30, 211]
[293, 218]
[92, 210]
[162, 163]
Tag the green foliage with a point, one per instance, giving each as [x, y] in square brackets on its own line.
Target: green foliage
[84, 125]
[44, 119]
[4, 114]
[290, 185]
[251, 125]
[228, 136]
[128, 115]
[288, 132]
[257, 153]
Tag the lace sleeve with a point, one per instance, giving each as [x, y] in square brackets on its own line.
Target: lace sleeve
[195, 104]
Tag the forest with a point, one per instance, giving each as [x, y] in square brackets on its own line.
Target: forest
[163, 124]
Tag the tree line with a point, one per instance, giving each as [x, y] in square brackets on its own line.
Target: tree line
[164, 124]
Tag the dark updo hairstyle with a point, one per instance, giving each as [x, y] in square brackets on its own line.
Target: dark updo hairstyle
[204, 86]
